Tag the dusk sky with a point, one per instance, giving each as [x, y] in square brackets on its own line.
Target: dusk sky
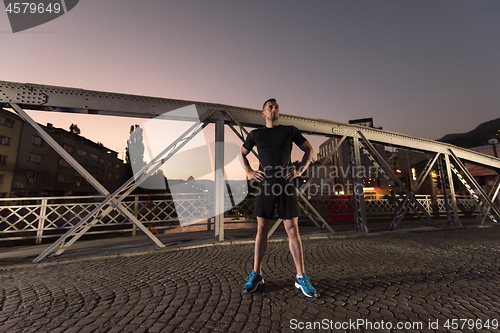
[422, 68]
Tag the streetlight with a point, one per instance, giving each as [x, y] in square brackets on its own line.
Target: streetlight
[494, 142]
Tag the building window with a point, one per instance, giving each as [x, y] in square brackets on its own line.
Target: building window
[36, 140]
[68, 148]
[81, 152]
[95, 171]
[34, 175]
[3, 159]
[94, 157]
[4, 140]
[6, 122]
[117, 176]
[1, 178]
[63, 163]
[78, 181]
[64, 178]
[117, 166]
[35, 158]
[101, 161]
[110, 175]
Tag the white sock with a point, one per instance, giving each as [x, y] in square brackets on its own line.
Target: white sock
[299, 277]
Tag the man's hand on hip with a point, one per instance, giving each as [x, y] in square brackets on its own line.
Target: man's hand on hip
[257, 175]
[292, 173]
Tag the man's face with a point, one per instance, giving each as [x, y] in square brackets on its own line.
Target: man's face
[271, 110]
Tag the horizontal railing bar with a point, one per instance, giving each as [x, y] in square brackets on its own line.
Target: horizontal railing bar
[92, 197]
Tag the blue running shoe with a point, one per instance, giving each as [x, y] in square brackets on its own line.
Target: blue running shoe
[305, 286]
[253, 281]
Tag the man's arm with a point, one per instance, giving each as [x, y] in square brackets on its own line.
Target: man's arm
[252, 174]
[306, 159]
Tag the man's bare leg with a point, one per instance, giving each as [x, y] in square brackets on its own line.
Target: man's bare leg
[292, 229]
[263, 226]
[303, 283]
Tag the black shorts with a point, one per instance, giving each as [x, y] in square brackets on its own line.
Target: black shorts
[279, 195]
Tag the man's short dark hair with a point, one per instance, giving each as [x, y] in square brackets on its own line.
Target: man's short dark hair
[269, 100]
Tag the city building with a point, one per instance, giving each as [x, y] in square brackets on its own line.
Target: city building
[340, 163]
[41, 171]
[484, 176]
[10, 134]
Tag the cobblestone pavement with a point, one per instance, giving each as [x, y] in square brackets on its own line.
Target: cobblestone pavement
[406, 277]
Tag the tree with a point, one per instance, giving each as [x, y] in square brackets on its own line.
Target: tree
[74, 129]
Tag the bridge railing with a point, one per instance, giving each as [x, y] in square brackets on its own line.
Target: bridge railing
[338, 206]
[48, 217]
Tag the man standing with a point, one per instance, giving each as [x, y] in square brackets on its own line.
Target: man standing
[276, 190]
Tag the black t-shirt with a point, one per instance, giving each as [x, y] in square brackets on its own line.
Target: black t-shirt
[274, 145]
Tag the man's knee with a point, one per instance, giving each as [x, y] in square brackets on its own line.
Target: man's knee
[292, 228]
[292, 231]
[263, 227]
[262, 231]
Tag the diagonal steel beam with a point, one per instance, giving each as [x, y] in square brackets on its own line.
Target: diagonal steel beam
[304, 187]
[389, 175]
[315, 212]
[480, 192]
[387, 169]
[311, 217]
[110, 199]
[68, 158]
[134, 182]
[233, 117]
[456, 219]
[493, 195]
[472, 194]
[334, 150]
[358, 195]
[274, 227]
[420, 180]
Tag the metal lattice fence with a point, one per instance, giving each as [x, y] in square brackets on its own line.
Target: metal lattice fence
[28, 218]
[38, 218]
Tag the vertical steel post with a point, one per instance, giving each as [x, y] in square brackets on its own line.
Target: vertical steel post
[456, 220]
[219, 180]
[483, 210]
[41, 221]
[444, 179]
[434, 202]
[352, 164]
[358, 189]
[136, 214]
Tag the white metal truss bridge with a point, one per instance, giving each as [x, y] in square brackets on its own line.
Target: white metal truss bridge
[448, 158]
